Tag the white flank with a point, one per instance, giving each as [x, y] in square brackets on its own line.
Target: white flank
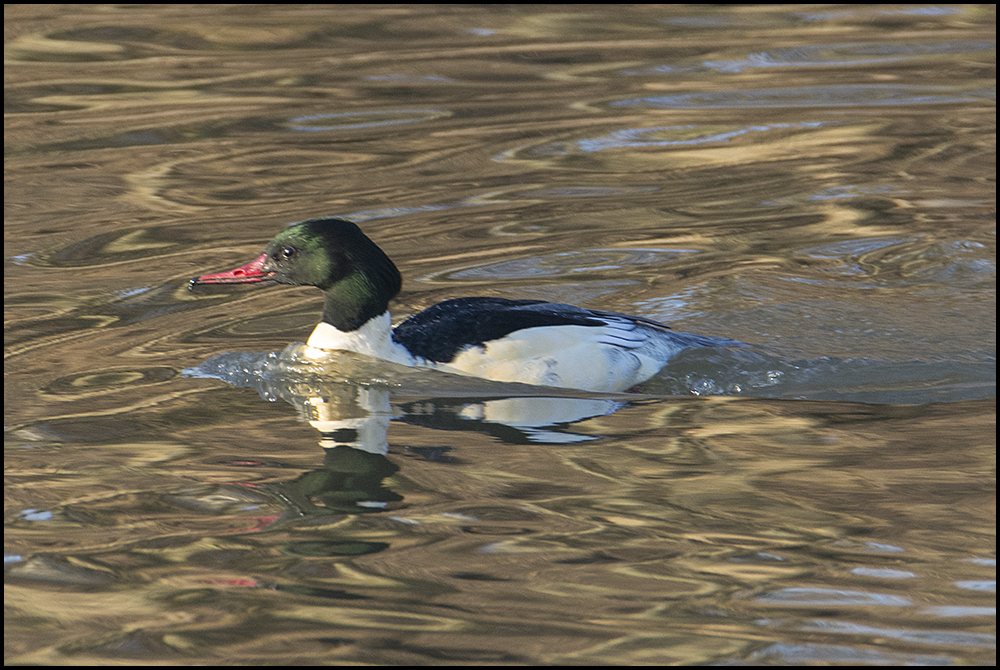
[613, 357]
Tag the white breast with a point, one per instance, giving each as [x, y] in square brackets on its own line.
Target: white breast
[373, 339]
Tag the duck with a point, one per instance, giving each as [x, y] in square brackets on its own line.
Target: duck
[527, 341]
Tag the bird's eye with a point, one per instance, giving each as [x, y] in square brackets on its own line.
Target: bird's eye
[286, 252]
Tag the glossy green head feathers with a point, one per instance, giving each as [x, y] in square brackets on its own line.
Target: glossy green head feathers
[334, 255]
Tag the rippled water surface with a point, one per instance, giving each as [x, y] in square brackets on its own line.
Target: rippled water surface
[818, 182]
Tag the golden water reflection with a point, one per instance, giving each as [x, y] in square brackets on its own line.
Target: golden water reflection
[818, 182]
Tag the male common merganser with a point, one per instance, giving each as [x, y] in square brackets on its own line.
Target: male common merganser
[528, 341]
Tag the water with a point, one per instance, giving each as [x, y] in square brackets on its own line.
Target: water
[816, 182]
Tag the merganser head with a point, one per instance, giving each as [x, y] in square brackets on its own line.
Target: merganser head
[332, 254]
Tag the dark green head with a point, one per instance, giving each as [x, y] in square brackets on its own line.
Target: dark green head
[332, 254]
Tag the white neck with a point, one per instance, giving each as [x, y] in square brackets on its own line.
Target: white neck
[374, 339]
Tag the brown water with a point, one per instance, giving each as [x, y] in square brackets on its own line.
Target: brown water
[818, 182]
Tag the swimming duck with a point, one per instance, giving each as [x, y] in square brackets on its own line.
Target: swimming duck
[528, 341]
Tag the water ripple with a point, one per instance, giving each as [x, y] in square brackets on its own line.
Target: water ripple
[836, 95]
[820, 597]
[935, 637]
[842, 55]
[365, 119]
[563, 264]
[822, 55]
[663, 136]
[658, 136]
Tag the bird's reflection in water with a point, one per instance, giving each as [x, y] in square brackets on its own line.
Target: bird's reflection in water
[351, 400]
